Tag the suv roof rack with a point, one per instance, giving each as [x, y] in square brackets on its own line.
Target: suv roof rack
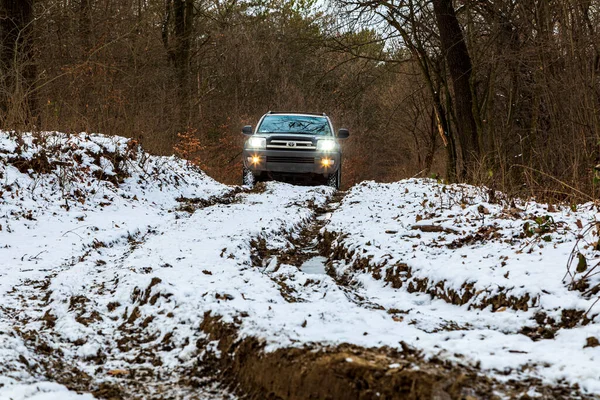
[296, 112]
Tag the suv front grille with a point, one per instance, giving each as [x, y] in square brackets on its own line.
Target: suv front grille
[291, 144]
[290, 160]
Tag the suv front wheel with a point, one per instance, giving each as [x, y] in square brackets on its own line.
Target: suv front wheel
[248, 178]
[334, 180]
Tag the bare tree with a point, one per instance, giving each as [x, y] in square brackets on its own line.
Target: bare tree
[457, 57]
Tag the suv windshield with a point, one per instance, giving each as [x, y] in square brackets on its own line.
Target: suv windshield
[294, 124]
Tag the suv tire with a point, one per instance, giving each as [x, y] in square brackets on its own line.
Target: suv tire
[334, 180]
[248, 178]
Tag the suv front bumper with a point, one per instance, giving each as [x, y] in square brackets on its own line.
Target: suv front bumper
[292, 161]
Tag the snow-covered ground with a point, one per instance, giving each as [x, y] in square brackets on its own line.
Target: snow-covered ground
[111, 259]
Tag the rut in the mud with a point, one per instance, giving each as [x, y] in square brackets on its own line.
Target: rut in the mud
[304, 244]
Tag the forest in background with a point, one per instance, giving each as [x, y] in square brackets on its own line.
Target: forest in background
[502, 93]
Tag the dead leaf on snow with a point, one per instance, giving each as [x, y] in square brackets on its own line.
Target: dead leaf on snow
[591, 342]
[118, 372]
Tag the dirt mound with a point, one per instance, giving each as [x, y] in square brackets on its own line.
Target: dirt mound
[350, 372]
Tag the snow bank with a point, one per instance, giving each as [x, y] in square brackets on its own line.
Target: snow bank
[61, 197]
[450, 234]
[479, 279]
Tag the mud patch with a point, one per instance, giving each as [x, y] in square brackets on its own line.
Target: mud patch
[191, 204]
[302, 246]
[305, 244]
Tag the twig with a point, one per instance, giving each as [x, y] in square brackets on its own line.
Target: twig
[418, 173]
[71, 231]
[435, 229]
[36, 256]
[592, 306]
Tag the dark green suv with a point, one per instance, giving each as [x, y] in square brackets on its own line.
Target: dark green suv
[293, 147]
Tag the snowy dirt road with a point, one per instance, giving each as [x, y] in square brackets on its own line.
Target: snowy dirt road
[124, 275]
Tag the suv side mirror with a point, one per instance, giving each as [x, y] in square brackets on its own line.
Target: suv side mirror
[343, 133]
[247, 130]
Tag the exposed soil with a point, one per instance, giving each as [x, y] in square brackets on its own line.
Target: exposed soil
[348, 372]
[400, 274]
[306, 243]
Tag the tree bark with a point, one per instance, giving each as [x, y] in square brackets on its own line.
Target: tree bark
[460, 67]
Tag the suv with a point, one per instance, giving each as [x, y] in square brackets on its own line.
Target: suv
[293, 146]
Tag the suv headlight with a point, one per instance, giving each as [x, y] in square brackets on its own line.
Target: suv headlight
[326, 145]
[257, 143]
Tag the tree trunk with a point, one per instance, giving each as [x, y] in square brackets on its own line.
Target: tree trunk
[431, 73]
[459, 66]
[179, 52]
[17, 69]
[86, 92]
[85, 24]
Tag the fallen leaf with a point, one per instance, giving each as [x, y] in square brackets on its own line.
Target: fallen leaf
[434, 228]
[581, 264]
[117, 372]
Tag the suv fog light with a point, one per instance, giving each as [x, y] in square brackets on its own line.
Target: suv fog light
[254, 160]
[327, 162]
